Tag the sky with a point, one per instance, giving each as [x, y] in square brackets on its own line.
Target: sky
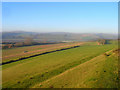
[76, 17]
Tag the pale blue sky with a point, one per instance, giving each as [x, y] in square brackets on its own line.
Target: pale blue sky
[78, 17]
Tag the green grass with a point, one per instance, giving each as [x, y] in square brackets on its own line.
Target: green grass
[18, 52]
[100, 72]
[32, 71]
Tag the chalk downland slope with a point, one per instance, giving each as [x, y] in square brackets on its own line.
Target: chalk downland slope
[99, 72]
[83, 66]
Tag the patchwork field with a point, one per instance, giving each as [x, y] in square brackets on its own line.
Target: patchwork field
[19, 52]
[87, 66]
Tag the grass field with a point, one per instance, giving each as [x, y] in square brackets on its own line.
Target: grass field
[99, 72]
[16, 53]
[81, 67]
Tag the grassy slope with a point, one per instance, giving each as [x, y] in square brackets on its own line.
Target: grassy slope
[29, 72]
[100, 72]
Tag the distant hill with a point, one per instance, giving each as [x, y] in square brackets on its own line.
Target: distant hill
[56, 36]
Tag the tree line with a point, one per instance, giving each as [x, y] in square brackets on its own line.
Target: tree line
[27, 41]
[103, 41]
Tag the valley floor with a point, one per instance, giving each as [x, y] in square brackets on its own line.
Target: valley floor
[87, 66]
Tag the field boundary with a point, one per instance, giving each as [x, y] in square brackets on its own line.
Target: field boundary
[23, 58]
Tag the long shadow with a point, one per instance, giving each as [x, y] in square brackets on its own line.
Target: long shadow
[23, 58]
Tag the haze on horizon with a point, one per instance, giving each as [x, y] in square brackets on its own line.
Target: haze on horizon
[74, 17]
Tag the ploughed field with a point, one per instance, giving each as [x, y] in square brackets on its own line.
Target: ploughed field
[87, 66]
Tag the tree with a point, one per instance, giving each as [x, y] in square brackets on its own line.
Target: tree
[101, 41]
[7, 46]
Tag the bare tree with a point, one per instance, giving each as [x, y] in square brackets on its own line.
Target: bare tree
[101, 41]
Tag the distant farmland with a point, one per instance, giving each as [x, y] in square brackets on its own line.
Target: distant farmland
[19, 52]
[87, 66]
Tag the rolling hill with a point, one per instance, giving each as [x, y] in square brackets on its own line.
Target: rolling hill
[55, 36]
